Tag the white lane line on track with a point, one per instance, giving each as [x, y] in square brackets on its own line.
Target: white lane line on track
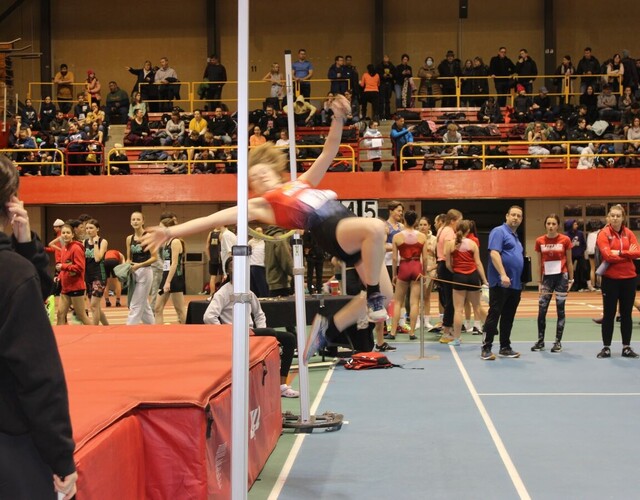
[297, 444]
[502, 450]
[563, 394]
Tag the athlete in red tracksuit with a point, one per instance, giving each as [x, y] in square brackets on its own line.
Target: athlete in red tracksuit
[619, 248]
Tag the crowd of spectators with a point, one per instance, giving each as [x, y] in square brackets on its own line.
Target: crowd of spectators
[602, 112]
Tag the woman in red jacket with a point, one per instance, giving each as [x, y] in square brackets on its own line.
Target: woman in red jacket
[71, 268]
[618, 247]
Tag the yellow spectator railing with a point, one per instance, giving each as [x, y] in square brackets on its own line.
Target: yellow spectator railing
[78, 88]
[191, 159]
[192, 97]
[569, 158]
[55, 153]
[565, 93]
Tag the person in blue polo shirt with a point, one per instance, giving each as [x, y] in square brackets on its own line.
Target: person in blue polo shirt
[302, 73]
[506, 261]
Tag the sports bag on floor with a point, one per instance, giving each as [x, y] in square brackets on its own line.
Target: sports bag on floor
[368, 360]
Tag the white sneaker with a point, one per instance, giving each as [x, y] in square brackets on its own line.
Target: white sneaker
[287, 392]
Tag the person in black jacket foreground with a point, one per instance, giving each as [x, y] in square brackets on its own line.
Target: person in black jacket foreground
[36, 444]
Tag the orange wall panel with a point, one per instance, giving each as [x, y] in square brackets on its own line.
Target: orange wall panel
[532, 184]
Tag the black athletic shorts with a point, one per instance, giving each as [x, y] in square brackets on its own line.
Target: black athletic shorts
[109, 265]
[177, 283]
[323, 224]
[75, 293]
[215, 268]
[463, 280]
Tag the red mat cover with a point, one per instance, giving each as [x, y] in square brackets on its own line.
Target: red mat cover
[151, 408]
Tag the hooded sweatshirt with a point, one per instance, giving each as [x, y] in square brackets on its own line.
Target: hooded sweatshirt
[578, 241]
[72, 269]
[38, 404]
[278, 261]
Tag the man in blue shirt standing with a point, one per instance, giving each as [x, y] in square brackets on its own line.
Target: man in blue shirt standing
[506, 261]
[302, 73]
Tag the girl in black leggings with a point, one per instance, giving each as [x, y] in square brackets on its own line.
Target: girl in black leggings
[618, 247]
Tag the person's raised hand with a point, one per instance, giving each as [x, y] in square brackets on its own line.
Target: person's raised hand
[19, 218]
[153, 238]
[340, 106]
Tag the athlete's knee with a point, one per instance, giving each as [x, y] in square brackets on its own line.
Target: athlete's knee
[376, 229]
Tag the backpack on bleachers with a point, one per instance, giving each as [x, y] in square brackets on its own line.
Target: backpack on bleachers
[256, 115]
[409, 115]
[454, 116]
[423, 129]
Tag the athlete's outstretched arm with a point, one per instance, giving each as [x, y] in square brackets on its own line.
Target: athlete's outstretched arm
[340, 107]
[156, 236]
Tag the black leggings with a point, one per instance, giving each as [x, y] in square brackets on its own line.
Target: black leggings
[314, 267]
[558, 283]
[445, 293]
[614, 292]
[287, 341]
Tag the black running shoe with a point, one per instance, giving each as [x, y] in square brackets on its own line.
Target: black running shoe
[487, 355]
[385, 347]
[557, 346]
[605, 353]
[538, 346]
[627, 352]
[507, 352]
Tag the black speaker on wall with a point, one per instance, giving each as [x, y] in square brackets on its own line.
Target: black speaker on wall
[464, 9]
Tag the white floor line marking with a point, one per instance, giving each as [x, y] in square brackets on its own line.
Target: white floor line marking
[563, 394]
[295, 449]
[502, 450]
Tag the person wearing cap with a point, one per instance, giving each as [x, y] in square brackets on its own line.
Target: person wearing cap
[93, 87]
[527, 70]
[55, 246]
[541, 107]
[449, 69]
[521, 106]
[303, 111]
[64, 79]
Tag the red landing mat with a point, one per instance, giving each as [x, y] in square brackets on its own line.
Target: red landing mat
[151, 409]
